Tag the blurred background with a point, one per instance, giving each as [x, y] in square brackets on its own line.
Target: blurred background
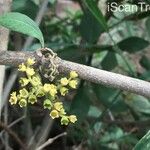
[108, 119]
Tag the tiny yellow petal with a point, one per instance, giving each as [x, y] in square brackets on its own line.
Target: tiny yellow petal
[54, 114]
[30, 61]
[63, 91]
[30, 71]
[73, 74]
[23, 81]
[24, 93]
[47, 104]
[23, 103]
[62, 112]
[46, 87]
[53, 92]
[32, 99]
[64, 120]
[73, 84]
[22, 67]
[58, 106]
[13, 99]
[36, 81]
[72, 118]
[64, 81]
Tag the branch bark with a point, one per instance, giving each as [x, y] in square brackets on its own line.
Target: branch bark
[91, 74]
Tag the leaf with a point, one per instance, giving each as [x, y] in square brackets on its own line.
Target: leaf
[89, 28]
[133, 44]
[26, 7]
[138, 103]
[145, 62]
[81, 104]
[114, 134]
[21, 23]
[109, 62]
[144, 143]
[147, 23]
[106, 97]
[97, 13]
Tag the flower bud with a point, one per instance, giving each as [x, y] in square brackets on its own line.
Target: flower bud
[72, 118]
[47, 104]
[30, 61]
[23, 93]
[64, 120]
[22, 67]
[36, 81]
[54, 114]
[40, 92]
[73, 84]
[53, 90]
[32, 99]
[23, 103]
[64, 81]
[13, 99]
[63, 91]
[58, 106]
[73, 74]
[30, 71]
[23, 81]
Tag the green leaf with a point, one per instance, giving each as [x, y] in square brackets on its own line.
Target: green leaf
[81, 104]
[106, 96]
[133, 44]
[109, 62]
[97, 13]
[145, 62]
[147, 23]
[26, 7]
[114, 134]
[21, 23]
[144, 143]
[89, 28]
[138, 103]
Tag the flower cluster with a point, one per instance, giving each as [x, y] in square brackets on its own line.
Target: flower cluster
[33, 89]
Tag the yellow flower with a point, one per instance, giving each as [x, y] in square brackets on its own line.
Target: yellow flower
[30, 71]
[13, 98]
[64, 81]
[58, 106]
[30, 61]
[32, 99]
[63, 91]
[23, 103]
[47, 104]
[62, 112]
[36, 81]
[22, 67]
[72, 118]
[46, 87]
[23, 93]
[40, 92]
[54, 114]
[73, 84]
[73, 74]
[64, 120]
[53, 90]
[23, 81]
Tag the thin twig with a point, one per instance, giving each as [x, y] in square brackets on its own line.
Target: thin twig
[13, 134]
[50, 141]
[13, 123]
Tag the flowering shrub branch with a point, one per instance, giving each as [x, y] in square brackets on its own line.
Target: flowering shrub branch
[85, 72]
[33, 90]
